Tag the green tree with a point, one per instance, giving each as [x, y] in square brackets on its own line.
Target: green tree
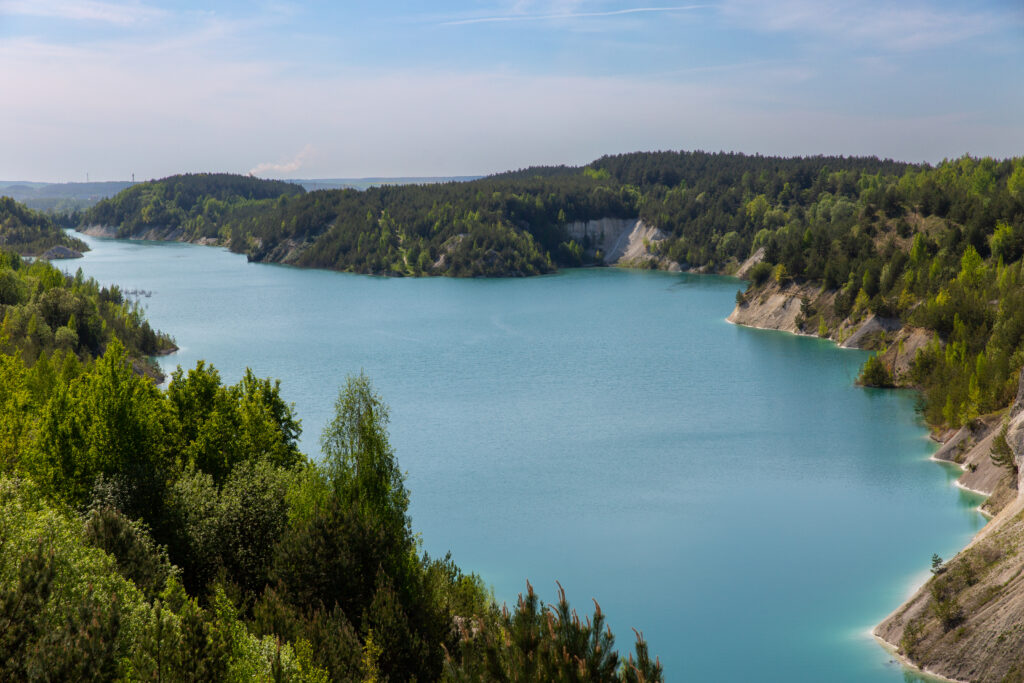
[360, 461]
[1002, 453]
[109, 422]
[875, 373]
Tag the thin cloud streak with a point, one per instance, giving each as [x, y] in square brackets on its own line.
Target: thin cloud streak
[570, 15]
[106, 12]
[903, 28]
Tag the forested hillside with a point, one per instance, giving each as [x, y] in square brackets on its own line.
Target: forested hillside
[53, 318]
[938, 247]
[31, 233]
[180, 534]
[513, 223]
[189, 206]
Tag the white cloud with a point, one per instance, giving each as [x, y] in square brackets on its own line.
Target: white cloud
[282, 167]
[123, 14]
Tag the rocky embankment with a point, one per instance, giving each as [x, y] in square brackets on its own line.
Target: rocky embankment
[967, 622]
[60, 252]
[150, 235]
[807, 309]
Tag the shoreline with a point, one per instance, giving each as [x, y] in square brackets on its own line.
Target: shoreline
[918, 671]
[1012, 508]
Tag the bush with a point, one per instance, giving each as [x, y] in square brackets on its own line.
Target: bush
[760, 273]
[875, 373]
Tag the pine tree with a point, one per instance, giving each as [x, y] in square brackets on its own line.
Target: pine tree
[1002, 454]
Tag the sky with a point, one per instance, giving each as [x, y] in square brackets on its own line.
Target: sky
[349, 88]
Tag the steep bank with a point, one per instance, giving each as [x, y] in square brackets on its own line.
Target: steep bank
[628, 242]
[148, 234]
[808, 309]
[965, 622]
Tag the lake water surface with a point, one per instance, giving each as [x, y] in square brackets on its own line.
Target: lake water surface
[726, 490]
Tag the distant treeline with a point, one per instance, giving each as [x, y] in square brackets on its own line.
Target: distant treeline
[507, 224]
[61, 198]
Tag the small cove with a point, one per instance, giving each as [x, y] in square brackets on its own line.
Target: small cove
[726, 490]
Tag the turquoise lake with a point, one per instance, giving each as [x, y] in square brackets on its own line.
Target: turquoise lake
[727, 491]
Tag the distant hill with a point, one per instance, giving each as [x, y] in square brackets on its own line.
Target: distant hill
[186, 207]
[67, 197]
[314, 184]
[60, 197]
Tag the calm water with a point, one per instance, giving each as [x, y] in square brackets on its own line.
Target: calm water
[726, 490]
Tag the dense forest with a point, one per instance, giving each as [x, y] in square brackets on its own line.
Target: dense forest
[191, 205]
[31, 233]
[936, 247]
[512, 223]
[51, 318]
[180, 534]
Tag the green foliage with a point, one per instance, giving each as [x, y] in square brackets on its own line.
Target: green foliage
[191, 203]
[44, 311]
[30, 233]
[110, 422]
[875, 373]
[545, 643]
[138, 557]
[1002, 454]
[760, 273]
[360, 462]
[228, 530]
[319, 559]
[944, 604]
[65, 611]
[223, 426]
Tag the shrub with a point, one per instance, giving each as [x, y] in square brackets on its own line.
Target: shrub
[760, 273]
[875, 373]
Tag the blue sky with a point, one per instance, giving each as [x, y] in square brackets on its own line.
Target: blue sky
[344, 89]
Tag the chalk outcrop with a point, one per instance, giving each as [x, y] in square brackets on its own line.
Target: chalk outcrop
[59, 252]
[149, 234]
[628, 242]
[743, 271]
[778, 307]
[808, 309]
